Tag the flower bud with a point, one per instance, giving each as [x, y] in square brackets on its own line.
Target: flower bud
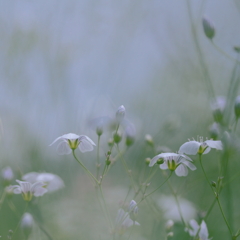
[117, 137]
[169, 225]
[208, 28]
[120, 113]
[236, 49]
[218, 107]
[130, 135]
[214, 184]
[160, 161]
[149, 140]
[7, 175]
[147, 161]
[27, 224]
[110, 142]
[133, 210]
[237, 107]
[214, 131]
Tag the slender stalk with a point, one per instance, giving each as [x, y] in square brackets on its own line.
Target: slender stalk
[217, 197]
[86, 170]
[98, 159]
[2, 198]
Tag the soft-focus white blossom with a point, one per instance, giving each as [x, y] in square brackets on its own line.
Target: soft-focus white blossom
[174, 162]
[194, 231]
[71, 141]
[120, 113]
[27, 224]
[28, 190]
[52, 181]
[7, 174]
[199, 147]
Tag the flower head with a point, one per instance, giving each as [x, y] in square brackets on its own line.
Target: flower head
[29, 190]
[199, 147]
[52, 182]
[71, 141]
[7, 175]
[174, 162]
[120, 113]
[208, 28]
[194, 230]
[27, 223]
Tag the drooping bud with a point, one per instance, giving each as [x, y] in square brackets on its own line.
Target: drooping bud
[27, 224]
[120, 113]
[208, 28]
[237, 107]
[147, 161]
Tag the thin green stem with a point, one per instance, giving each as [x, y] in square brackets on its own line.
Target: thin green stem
[98, 158]
[86, 170]
[216, 196]
[3, 197]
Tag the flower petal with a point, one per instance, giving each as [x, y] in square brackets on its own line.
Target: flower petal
[154, 160]
[163, 166]
[181, 170]
[15, 189]
[70, 136]
[30, 177]
[190, 165]
[207, 150]
[25, 186]
[38, 190]
[63, 148]
[86, 144]
[214, 144]
[203, 233]
[55, 140]
[190, 148]
[194, 225]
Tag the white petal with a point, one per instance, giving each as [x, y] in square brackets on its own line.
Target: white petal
[81, 137]
[203, 233]
[194, 225]
[30, 177]
[120, 216]
[190, 165]
[190, 148]
[63, 148]
[214, 144]
[207, 150]
[25, 186]
[37, 189]
[163, 166]
[16, 189]
[86, 144]
[154, 160]
[181, 170]
[55, 140]
[70, 136]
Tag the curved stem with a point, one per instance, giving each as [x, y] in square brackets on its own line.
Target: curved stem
[86, 170]
[98, 161]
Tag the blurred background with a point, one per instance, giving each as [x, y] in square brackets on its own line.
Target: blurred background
[64, 63]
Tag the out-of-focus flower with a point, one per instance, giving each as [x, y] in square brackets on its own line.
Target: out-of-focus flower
[130, 134]
[27, 224]
[218, 107]
[123, 221]
[194, 231]
[208, 28]
[120, 113]
[52, 182]
[29, 190]
[73, 141]
[149, 139]
[7, 175]
[237, 107]
[133, 210]
[199, 147]
[170, 209]
[100, 124]
[214, 131]
[174, 162]
[169, 225]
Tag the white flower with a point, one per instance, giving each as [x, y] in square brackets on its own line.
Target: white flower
[52, 181]
[29, 190]
[123, 221]
[72, 141]
[7, 174]
[199, 147]
[174, 162]
[120, 113]
[202, 233]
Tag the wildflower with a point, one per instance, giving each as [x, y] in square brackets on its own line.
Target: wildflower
[208, 28]
[130, 134]
[120, 113]
[174, 162]
[133, 210]
[214, 131]
[7, 175]
[218, 107]
[73, 141]
[52, 182]
[29, 190]
[199, 147]
[123, 221]
[194, 231]
[27, 224]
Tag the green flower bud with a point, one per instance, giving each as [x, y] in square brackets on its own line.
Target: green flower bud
[160, 161]
[117, 137]
[208, 28]
[149, 140]
[147, 161]
[237, 107]
[237, 49]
